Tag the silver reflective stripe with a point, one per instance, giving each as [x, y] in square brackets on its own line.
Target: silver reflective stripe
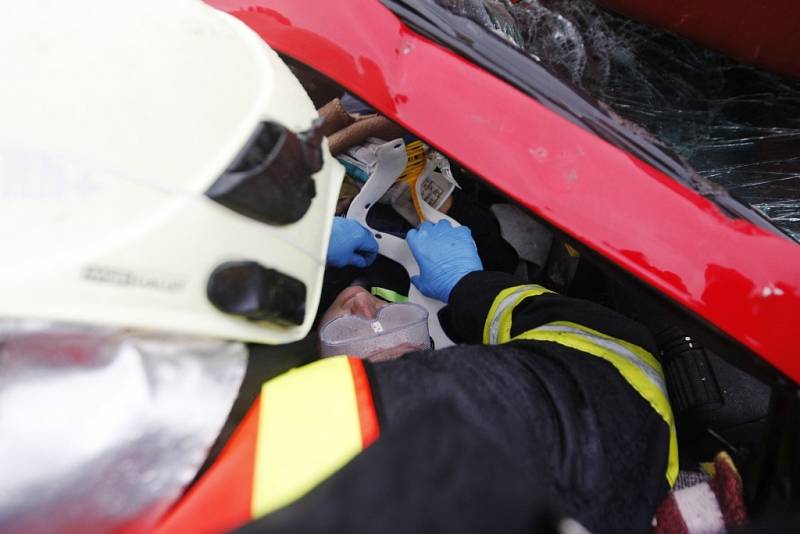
[617, 348]
[506, 303]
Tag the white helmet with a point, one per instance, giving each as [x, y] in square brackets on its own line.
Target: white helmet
[153, 173]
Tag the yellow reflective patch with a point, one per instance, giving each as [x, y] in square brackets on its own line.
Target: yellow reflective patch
[642, 354]
[633, 374]
[497, 328]
[504, 330]
[308, 428]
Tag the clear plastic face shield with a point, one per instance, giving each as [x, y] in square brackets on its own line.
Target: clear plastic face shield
[359, 324]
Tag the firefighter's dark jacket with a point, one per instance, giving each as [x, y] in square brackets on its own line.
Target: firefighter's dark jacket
[540, 413]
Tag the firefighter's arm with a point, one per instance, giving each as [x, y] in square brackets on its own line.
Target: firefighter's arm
[491, 307]
[496, 308]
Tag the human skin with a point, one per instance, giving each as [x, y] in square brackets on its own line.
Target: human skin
[353, 300]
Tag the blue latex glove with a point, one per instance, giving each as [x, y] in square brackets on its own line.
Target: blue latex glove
[444, 255]
[351, 244]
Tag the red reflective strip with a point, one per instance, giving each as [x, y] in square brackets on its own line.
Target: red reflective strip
[220, 500]
[367, 416]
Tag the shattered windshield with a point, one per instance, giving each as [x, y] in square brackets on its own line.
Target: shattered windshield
[736, 125]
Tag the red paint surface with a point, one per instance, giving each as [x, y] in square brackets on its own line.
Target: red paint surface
[367, 417]
[221, 500]
[642, 220]
[762, 32]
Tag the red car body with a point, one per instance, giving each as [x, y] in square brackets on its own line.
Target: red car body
[738, 278]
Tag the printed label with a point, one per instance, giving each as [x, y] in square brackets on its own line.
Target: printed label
[122, 277]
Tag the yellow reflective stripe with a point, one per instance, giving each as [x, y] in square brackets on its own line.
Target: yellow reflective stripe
[636, 350]
[308, 428]
[646, 379]
[497, 328]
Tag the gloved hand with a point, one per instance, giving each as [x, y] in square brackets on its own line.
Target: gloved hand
[351, 244]
[444, 255]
